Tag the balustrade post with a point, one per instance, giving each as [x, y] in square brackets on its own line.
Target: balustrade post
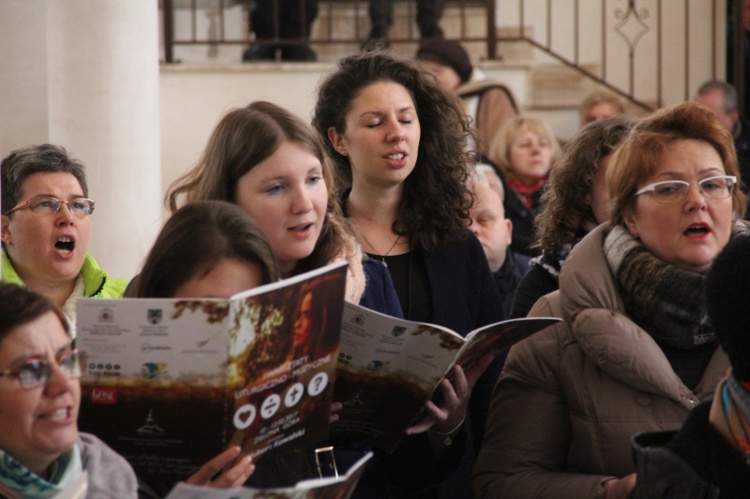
[491, 31]
[168, 23]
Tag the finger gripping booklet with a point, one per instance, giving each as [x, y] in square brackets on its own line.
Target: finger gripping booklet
[340, 487]
[170, 383]
[389, 367]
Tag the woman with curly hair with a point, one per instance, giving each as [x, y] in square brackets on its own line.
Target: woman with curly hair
[274, 166]
[399, 146]
[574, 202]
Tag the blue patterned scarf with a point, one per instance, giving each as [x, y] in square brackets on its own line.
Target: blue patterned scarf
[16, 480]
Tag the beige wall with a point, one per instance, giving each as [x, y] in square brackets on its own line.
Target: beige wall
[84, 74]
[194, 98]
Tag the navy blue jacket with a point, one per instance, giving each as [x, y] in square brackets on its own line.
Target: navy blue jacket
[464, 293]
[379, 293]
[464, 298]
[742, 146]
[509, 276]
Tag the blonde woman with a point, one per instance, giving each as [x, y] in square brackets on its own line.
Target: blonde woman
[524, 151]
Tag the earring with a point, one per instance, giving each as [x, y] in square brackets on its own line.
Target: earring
[343, 152]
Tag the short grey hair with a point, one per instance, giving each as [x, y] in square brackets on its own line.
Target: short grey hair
[22, 163]
[484, 169]
[731, 102]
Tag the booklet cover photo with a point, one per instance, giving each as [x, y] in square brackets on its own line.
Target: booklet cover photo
[170, 383]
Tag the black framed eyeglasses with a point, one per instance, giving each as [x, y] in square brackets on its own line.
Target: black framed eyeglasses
[50, 204]
[36, 372]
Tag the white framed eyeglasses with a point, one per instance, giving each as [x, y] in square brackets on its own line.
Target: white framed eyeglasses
[673, 191]
[49, 204]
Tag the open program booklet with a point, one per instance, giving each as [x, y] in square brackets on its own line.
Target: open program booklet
[170, 383]
[321, 488]
[388, 368]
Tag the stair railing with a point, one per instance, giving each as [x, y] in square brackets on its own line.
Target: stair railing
[650, 52]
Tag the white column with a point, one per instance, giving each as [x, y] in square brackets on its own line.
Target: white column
[23, 74]
[84, 74]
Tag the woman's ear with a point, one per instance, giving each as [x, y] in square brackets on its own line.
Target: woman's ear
[630, 222]
[5, 230]
[337, 140]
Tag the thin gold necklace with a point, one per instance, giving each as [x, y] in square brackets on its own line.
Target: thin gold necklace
[377, 253]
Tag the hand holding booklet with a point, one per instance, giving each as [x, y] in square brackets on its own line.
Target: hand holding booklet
[340, 487]
[173, 382]
[389, 367]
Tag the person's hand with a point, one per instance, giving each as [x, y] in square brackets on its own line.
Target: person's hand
[335, 408]
[448, 416]
[230, 478]
[620, 489]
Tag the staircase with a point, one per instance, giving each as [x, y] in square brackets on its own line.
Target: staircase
[538, 53]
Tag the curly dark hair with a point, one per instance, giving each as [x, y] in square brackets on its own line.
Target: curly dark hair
[435, 205]
[566, 201]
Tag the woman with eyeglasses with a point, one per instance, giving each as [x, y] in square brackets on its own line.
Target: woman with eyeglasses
[45, 228]
[635, 352]
[41, 449]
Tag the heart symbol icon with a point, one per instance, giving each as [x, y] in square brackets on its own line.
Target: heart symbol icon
[244, 416]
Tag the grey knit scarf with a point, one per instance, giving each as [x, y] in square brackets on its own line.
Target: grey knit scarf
[667, 302]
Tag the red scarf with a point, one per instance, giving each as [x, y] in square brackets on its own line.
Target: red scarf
[526, 192]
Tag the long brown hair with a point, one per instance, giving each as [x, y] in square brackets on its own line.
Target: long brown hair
[194, 241]
[243, 139]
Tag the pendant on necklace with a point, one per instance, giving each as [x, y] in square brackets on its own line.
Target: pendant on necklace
[377, 253]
